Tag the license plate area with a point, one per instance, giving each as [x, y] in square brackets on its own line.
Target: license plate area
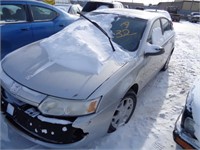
[10, 109]
[26, 119]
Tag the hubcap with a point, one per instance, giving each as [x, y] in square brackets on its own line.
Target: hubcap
[123, 112]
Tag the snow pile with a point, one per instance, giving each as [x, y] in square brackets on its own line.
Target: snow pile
[84, 48]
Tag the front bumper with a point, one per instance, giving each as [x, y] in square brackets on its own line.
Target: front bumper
[54, 132]
[182, 138]
[29, 120]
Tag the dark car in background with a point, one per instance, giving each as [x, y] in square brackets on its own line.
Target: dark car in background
[23, 22]
[93, 5]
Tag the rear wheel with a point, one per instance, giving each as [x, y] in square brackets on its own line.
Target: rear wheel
[124, 111]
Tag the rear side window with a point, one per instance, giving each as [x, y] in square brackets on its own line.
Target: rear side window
[43, 14]
[12, 13]
[166, 25]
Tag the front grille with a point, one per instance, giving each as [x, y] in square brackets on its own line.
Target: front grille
[26, 118]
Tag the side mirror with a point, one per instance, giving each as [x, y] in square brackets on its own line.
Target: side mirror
[153, 50]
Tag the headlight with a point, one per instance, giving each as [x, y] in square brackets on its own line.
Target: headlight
[5, 78]
[61, 107]
[189, 125]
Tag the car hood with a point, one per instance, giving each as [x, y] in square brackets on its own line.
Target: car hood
[193, 105]
[30, 66]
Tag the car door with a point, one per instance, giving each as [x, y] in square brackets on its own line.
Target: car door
[43, 24]
[15, 27]
[152, 64]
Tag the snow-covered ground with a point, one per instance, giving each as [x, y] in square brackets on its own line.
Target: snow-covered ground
[158, 105]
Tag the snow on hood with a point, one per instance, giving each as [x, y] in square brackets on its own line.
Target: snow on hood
[84, 48]
[193, 104]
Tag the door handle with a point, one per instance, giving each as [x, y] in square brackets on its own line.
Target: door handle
[61, 25]
[25, 29]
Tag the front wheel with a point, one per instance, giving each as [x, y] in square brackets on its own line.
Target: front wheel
[124, 111]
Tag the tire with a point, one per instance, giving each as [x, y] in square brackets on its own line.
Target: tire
[166, 65]
[124, 111]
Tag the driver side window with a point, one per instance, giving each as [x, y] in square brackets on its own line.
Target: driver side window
[155, 35]
[42, 14]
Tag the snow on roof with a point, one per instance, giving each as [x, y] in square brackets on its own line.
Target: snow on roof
[131, 12]
[84, 48]
[163, 12]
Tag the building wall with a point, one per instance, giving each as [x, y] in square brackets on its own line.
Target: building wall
[185, 7]
[195, 6]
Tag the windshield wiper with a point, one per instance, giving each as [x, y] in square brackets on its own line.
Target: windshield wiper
[100, 28]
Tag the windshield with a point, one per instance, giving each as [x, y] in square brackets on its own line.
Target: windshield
[124, 31]
[127, 32]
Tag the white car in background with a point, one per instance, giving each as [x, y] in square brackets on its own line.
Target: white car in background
[164, 12]
[70, 8]
[194, 17]
[187, 129]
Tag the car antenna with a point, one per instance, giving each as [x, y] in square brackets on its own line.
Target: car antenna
[100, 28]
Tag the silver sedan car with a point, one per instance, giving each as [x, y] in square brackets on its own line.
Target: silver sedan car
[83, 82]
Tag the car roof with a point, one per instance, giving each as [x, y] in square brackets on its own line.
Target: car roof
[131, 13]
[164, 12]
[155, 10]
